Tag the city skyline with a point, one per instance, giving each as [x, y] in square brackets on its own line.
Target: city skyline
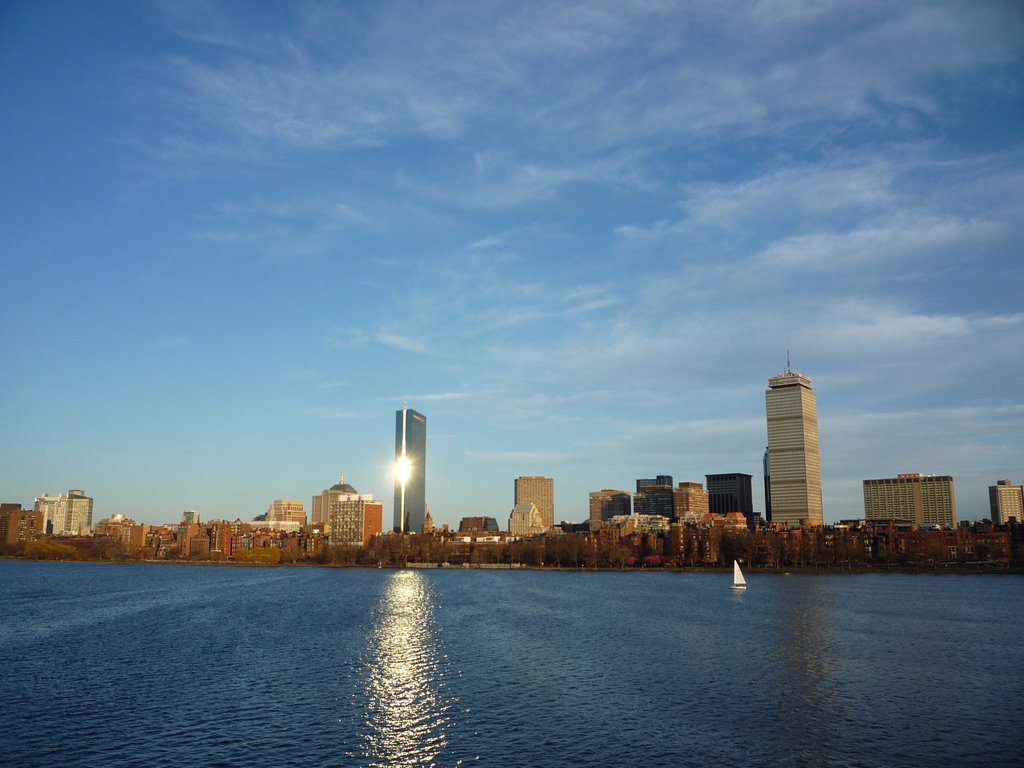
[579, 237]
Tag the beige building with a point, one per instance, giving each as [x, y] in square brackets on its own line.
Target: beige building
[287, 510]
[66, 514]
[795, 480]
[690, 502]
[525, 520]
[914, 498]
[540, 491]
[1006, 501]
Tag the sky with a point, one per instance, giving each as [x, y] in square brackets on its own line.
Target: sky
[235, 237]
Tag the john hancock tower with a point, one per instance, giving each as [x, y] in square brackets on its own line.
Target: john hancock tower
[410, 470]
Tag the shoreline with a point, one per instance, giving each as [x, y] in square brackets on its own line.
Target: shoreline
[910, 570]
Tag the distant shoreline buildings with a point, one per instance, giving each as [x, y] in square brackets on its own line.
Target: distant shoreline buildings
[665, 515]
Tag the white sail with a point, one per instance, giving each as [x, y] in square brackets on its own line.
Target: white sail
[738, 582]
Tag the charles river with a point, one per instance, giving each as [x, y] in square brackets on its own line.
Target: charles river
[168, 665]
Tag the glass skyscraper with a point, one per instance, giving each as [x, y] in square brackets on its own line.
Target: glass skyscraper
[410, 470]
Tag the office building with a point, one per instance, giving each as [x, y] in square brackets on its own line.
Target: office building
[795, 480]
[477, 524]
[525, 520]
[286, 510]
[767, 469]
[913, 498]
[353, 518]
[1006, 501]
[540, 491]
[731, 493]
[655, 496]
[690, 502]
[410, 470]
[68, 514]
[606, 504]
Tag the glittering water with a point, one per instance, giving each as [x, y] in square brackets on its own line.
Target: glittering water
[146, 665]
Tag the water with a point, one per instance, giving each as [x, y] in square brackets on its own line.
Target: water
[128, 665]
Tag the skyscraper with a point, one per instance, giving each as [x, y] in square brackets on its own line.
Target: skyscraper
[538, 490]
[410, 470]
[795, 484]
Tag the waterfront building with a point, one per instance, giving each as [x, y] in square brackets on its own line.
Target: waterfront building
[67, 513]
[539, 491]
[767, 470]
[19, 525]
[525, 520]
[731, 493]
[640, 523]
[690, 502]
[607, 503]
[912, 498]
[286, 510]
[795, 480]
[1006, 501]
[410, 470]
[353, 518]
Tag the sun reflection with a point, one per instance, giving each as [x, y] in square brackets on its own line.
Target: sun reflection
[407, 716]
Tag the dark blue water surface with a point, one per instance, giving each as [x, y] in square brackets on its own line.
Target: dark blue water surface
[166, 665]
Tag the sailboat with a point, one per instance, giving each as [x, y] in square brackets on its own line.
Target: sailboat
[738, 582]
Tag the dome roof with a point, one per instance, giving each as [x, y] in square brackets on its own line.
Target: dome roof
[344, 488]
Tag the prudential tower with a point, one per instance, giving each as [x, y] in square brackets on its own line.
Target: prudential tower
[795, 480]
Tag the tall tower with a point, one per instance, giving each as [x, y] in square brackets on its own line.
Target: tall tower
[410, 470]
[795, 480]
[538, 490]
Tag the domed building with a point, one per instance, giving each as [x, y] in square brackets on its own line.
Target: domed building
[352, 518]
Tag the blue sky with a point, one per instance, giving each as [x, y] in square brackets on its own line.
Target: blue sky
[579, 237]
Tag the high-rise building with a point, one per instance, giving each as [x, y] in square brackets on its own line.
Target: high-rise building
[540, 491]
[410, 470]
[606, 504]
[354, 518]
[690, 502]
[525, 520]
[66, 514]
[795, 485]
[731, 493]
[913, 497]
[286, 510]
[1006, 501]
[654, 496]
[767, 468]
